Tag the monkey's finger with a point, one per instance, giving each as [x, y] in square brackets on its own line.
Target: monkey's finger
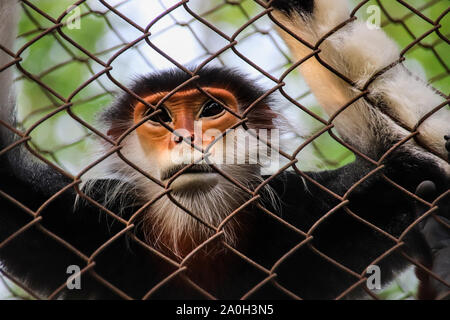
[426, 190]
[447, 146]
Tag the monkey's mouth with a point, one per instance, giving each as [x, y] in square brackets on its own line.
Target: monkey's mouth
[196, 168]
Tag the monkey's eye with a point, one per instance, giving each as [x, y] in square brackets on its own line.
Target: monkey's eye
[163, 116]
[211, 109]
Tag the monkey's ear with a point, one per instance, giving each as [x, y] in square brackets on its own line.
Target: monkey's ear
[114, 132]
[261, 117]
[109, 132]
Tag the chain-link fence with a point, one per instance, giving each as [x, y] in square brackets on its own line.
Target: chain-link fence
[66, 73]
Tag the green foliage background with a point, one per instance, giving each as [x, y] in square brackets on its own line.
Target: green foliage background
[49, 51]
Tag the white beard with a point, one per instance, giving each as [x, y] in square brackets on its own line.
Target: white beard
[169, 226]
[166, 225]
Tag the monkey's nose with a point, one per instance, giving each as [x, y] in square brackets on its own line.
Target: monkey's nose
[177, 138]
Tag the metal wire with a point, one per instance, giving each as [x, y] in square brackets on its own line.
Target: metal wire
[100, 68]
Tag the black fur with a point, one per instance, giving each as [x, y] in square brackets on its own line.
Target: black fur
[245, 91]
[447, 145]
[41, 262]
[289, 6]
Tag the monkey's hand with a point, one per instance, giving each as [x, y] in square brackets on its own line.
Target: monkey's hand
[436, 230]
[356, 73]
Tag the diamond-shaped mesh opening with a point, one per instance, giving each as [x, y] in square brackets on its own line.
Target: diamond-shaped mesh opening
[65, 75]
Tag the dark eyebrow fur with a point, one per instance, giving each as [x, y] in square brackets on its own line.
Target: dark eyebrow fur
[244, 89]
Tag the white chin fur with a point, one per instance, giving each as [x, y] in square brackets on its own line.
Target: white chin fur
[194, 182]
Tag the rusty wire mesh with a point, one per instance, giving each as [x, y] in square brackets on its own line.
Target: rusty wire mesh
[99, 66]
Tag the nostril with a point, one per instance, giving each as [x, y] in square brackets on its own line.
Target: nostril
[179, 138]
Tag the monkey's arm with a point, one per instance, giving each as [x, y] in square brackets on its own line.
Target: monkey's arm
[375, 107]
[37, 203]
[43, 232]
[356, 231]
[22, 194]
[388, 97]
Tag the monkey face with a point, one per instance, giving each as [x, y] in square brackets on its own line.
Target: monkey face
[206, 114]
[197, 121]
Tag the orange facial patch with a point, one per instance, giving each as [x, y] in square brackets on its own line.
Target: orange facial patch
[184, 108]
